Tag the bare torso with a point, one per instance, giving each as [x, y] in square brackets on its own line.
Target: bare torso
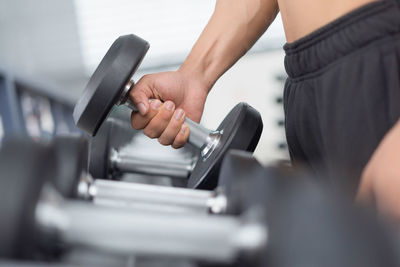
[301, 17]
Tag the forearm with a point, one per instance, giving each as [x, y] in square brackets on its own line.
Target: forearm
[232, 30]
[380, 182]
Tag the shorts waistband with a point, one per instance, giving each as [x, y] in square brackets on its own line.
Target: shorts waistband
[371, 22]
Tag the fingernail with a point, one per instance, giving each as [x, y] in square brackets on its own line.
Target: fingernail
[156, 104]
[183, 129]
[142, 108]
[169, 105]
[179, 114]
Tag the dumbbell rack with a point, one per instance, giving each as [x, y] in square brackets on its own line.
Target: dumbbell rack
[16, 89]
[149, 233]
[151, 197]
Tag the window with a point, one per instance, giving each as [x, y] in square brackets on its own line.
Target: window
[171, 27]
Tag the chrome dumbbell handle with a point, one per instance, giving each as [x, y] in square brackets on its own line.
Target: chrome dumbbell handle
[200, 137]
[130, 163]
[213, 238]
[151, 197]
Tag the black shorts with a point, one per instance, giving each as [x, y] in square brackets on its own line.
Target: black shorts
[343, 91]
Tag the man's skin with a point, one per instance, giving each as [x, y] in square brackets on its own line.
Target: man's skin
[380, 183]
[232, 30]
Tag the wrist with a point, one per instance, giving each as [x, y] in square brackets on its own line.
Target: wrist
[199, 73]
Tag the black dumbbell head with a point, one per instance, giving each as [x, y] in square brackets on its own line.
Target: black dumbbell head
[241, 130]
[114, 134]
[108, 82]
[72, 162]
[24, 168]
[238, 175]
[310, 225]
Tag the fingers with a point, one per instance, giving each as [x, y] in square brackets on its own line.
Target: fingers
[162, 121]
[139, 121]
[173, 128]
[159, 122]
[182, 137]
[141, 93]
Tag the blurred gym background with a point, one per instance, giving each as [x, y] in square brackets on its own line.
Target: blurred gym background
[49, 49]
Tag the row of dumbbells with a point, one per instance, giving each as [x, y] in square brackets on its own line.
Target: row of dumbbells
[250, 215]
[265, 216]
[142, 219]
[109, 87]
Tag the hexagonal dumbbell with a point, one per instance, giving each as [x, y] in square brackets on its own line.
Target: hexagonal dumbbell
[74, 181]
[110, 85]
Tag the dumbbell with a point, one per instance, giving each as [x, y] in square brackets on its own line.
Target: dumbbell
[41, 218]
[109, 157]
[286, 222]
[73, 181]
[110, 85]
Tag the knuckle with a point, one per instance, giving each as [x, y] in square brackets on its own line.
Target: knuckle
[176, 146]
[167, 138]
[143, 79]
[135, 91]
[135, 123]
[135, 126]
[163, 141]
[179, 142]
[150, 133]
[146, 77]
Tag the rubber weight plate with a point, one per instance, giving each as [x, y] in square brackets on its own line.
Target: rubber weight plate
[24, 167]
[72, 158]
[114, 134]
[108, 81]
[308, 225]
[239, 173]
[241, 129]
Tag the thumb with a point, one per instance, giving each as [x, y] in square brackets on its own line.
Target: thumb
[140, 95]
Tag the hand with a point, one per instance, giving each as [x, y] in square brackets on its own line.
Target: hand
[380, 182]
[175, 95]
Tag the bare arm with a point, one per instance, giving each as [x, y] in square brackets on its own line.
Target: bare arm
[380, 182]
[232, 30]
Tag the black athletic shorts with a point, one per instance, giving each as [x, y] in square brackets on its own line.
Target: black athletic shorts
[343, 91]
